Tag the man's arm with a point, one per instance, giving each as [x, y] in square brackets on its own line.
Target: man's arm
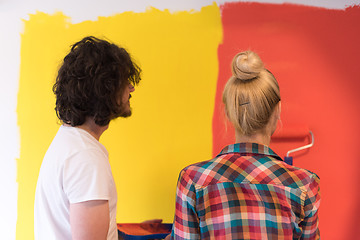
[89, 220]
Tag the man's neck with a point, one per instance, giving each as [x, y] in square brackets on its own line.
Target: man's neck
[91, 127]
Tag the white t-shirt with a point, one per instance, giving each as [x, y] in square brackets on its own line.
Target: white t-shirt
[75, 169]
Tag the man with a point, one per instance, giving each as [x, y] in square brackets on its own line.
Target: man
[75, 194]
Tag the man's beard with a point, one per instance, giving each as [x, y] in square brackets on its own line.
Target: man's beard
[125, 111]
[126, 114]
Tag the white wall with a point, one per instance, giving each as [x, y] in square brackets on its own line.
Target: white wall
[11, 14]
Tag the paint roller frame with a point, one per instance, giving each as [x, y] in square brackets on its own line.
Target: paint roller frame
[290, 134]
[303, 147]
[288, 159]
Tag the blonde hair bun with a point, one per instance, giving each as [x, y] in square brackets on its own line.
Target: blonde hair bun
[247, 65]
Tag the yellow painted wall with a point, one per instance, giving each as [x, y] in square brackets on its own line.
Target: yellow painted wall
[172, 107]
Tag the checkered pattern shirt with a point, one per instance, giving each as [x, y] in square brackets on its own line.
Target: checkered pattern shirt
[246, 192]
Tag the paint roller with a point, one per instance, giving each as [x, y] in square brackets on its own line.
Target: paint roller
[298, 132]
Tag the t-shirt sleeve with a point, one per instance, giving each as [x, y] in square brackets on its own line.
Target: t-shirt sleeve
[87, 176]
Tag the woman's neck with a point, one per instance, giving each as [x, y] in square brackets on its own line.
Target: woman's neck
[259, 138]
[262, 136]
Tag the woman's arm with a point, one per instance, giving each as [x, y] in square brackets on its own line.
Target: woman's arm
[186, 221]
[310, 224]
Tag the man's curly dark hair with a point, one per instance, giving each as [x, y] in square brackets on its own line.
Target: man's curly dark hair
[91, 81]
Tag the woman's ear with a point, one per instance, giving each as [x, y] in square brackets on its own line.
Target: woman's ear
[275, 118]
[278, 110]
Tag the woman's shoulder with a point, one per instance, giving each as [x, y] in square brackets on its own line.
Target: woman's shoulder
[293, 176]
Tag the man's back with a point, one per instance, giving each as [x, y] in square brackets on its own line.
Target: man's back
[75, 169]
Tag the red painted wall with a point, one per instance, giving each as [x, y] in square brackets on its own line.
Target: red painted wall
[314, 53]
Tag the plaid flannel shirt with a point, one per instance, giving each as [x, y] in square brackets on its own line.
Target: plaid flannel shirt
[246, 192]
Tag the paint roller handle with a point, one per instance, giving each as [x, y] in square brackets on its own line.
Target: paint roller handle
[288, 160]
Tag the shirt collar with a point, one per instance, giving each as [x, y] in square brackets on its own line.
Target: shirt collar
[246, 148]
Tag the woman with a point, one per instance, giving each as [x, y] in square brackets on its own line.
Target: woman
[247, 191]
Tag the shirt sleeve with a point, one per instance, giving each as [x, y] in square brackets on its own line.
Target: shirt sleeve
[186, 222]
[87, 176]
[310, 225]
